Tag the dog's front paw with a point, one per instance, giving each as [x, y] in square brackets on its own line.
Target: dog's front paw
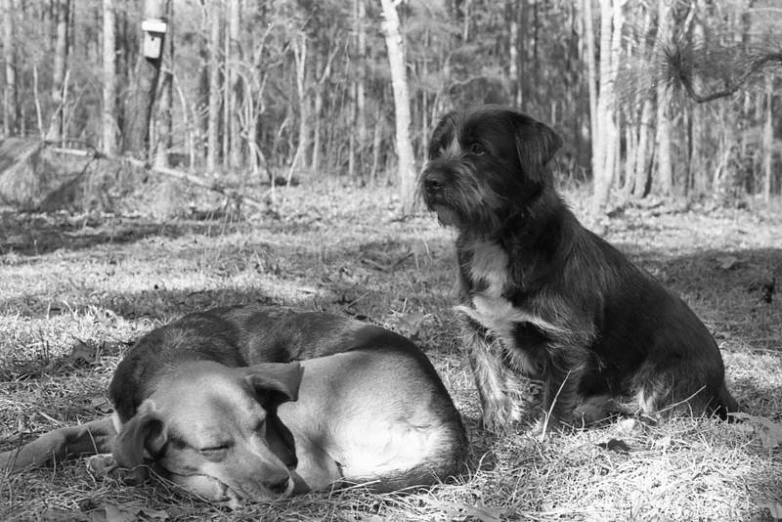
[501, 416]
[102, 465]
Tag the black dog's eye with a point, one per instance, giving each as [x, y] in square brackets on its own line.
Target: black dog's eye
[477, 149]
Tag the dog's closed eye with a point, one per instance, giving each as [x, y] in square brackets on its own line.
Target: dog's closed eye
[216, 452]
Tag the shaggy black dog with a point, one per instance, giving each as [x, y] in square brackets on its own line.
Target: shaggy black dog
[545, 297]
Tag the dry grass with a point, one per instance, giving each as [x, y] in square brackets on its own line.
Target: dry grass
[75, 290]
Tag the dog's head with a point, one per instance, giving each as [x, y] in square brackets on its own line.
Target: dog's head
[215, 432]
[486, 165]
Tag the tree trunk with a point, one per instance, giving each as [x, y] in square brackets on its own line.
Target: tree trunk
[404, 147]
[164, 121]
[604, 162]
[109, 120]
[300, 56]
[56, 120]
[663, 137]
[768, 138]
[513, 9]
[643, 156]
[361, 103]
[143, 100]
[215, 93]
[10, 103]
[234, 58]
[589, 37]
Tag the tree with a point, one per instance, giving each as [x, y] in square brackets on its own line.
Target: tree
[404, 147]
[59, 78]
[663, 135]
[213, 125]
[143, 97]
[606, 139]
[10, 101]
[109, 121]
[768, 137]
[235, 87]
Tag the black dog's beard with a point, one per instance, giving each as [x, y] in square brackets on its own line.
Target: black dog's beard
[464, 199]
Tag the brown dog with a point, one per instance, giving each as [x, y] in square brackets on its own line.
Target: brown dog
[217, 402]
[545, 297]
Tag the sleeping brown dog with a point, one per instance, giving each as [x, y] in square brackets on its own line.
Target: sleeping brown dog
[249, 403]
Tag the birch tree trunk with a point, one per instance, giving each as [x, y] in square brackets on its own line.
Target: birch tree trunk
[10, 103]
[404, 147]
[109, 120]
[604, 160]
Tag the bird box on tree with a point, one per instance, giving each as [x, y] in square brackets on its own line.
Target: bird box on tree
[154, 32]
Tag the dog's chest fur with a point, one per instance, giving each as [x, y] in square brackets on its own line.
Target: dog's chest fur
[485, 273]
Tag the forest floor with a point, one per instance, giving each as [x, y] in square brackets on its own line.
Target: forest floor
[76, 290]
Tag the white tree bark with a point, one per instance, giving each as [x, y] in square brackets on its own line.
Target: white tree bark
[604, 159]
[404, 146]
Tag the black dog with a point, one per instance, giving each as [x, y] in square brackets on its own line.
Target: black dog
[546, 297]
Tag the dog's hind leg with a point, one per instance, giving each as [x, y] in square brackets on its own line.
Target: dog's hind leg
[85, 439]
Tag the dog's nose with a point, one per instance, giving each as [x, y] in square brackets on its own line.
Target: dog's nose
[279, 487]
[432, 185]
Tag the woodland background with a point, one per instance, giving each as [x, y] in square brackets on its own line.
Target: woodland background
[662, 98]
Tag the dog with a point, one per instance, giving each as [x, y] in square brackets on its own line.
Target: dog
[252, 403]
[546, 298]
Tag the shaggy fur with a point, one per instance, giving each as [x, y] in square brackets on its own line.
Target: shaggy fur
[545, 297]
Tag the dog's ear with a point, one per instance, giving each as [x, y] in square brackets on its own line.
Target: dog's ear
[536, 142]
[442, 134]
[283, 378]
[145, 431]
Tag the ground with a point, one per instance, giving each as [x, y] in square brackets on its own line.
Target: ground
[76, 290]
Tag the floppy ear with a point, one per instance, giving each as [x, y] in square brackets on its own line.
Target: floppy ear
[442, 134]
[284, 378]
[536, 142]
[145, 431]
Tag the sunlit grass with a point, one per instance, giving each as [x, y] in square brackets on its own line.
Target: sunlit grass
[340, 249]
